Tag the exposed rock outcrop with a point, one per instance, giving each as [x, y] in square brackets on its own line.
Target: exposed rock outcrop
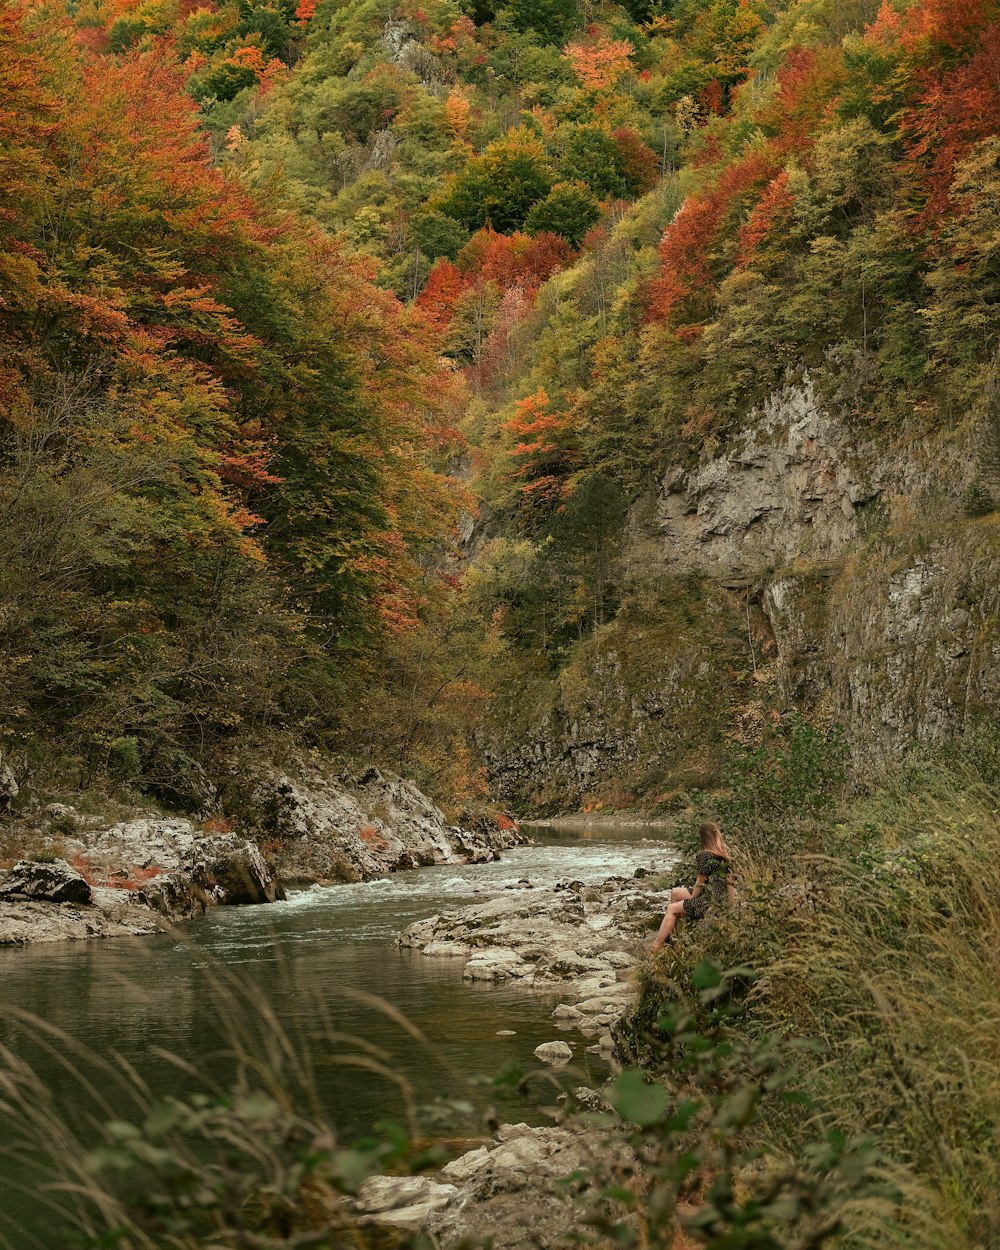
[129, 878]
[9, 788]
[791, 483]
[838, 573]
[325, 826]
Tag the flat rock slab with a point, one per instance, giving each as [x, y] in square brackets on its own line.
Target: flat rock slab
[33, 921]
[496, 964]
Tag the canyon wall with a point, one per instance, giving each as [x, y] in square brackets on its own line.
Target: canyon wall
[810, 564]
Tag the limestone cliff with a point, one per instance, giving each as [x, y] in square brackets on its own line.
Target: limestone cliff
[811, 562]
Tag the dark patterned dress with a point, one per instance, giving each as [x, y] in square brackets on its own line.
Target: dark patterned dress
[715, 870]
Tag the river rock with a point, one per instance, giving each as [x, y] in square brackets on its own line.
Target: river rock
[447, 950]
[496, 964]
[113, 913]
[137, 874]
[504, 1192]
[554, 1052]
[403, 1201]
[54, 882]
[231, 870]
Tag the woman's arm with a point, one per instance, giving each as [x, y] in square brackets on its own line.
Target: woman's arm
[696, 888]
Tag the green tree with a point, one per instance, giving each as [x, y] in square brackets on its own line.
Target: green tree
[438, 235]
[499, 188]
[551, 20]
[569, 210]
[593, 157]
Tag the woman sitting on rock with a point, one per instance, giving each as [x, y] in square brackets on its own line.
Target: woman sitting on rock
[713, 884]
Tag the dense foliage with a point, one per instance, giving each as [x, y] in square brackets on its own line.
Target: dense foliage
[220, 442]
[261, 261]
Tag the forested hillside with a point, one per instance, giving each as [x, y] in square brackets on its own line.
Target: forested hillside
[349, 350]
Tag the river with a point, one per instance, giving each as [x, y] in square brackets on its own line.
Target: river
[310, 972]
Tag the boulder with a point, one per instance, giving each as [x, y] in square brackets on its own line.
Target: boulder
[55, 882]
[232, 870]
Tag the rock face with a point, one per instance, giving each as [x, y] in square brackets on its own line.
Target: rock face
[836, 571]
[326, 827]
[631, 712]
[576, 940]
[791, 484]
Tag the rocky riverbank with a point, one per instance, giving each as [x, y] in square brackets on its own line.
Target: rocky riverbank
[82, 876]
[578, 941]
[512, 1190]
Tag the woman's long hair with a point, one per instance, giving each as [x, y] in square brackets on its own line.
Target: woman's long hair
[711, 839]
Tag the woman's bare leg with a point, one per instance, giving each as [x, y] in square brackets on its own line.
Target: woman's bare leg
[668, 924]
[679, 893]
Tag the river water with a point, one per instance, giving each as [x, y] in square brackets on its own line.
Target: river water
[318, 977]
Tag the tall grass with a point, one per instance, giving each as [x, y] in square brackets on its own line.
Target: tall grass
[884, 951]
[252, 1161]
[899, 975]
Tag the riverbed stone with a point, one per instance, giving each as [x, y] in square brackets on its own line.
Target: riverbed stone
[543, 938]
[554, 1052]
[403, 1201]
[566, 1011]
[495, 964]
[447, 950]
